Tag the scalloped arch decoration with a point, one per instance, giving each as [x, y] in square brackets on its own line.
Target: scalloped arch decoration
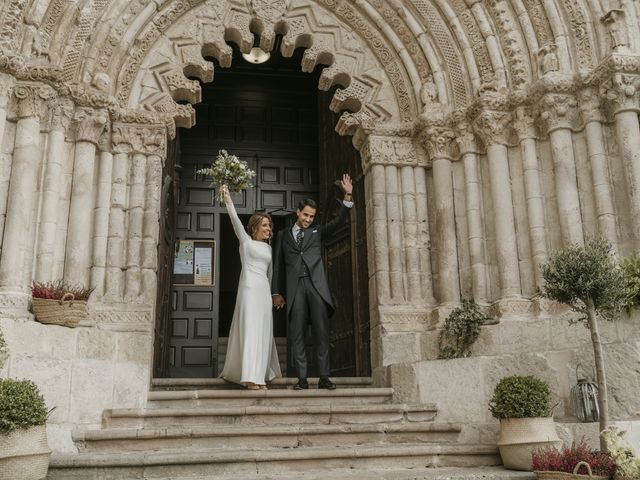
[154, 77]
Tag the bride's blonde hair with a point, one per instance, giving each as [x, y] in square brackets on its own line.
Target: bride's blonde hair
[255, 221]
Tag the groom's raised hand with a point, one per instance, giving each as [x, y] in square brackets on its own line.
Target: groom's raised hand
[347, 186]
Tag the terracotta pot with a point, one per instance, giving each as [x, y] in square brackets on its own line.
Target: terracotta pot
[520, 436]
[24, 454]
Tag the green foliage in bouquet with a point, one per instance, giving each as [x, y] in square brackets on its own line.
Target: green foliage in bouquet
[520, 397]
[57, 289]
[460, 331]
[229, 170]
[21, 405]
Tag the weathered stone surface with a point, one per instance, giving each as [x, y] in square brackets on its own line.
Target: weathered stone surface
[91, 389]
[96, 343]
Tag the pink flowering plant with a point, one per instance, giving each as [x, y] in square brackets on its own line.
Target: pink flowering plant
[57, 289]
[565, 460]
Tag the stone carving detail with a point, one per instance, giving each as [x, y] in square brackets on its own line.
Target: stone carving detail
[548, 59]
[382, 150]
[524, 124]
[478, 43]
[269, 12]
[579, 28]
[61, 114]
[493, 127]
[622, 91]
[131, 138]
[440, 32]
[89, 124]
[13, 13]
[511, 42]
[589, 102]
[617, 29]
[558, 110]
[538, 17]
[465, 137]
[32, 99]
[437, 141]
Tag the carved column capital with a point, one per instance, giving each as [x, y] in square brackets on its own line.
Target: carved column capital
[61, 113]
[134, 138]
[621, 90]
[385, 150]
[558, 110]
[7, 83]
[437, 140]
[32, 99]
[492, 126]
[524, 124]
[589, 102]
[89, 124]
[465, 138]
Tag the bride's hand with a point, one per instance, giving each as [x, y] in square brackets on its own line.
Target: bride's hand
[225, 192]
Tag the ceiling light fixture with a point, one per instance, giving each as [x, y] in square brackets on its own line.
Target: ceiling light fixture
[256, 55]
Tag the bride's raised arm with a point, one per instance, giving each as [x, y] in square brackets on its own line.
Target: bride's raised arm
[241, 233]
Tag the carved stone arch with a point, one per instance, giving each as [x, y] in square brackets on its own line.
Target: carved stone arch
[161, 81]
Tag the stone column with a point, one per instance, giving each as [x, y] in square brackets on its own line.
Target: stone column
[101, 215]
[88, 125]
[117, 218]
[558, 112]
[18, 240]
[61, 113]
[473, 199]
[437, 140]
[151, 224]
[135, 214]
[524, 127]
[592, 117]
[493, 127]
[622, 91]
[6, 88]
[423, 237]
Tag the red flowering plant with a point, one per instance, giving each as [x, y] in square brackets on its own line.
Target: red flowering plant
[565, 460]
[57, 289]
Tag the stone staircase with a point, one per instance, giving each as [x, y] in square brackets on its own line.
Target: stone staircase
[194, 428]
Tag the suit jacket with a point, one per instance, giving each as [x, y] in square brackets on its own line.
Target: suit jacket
[288, 259]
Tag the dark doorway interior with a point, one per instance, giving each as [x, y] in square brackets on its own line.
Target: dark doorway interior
[268, 115]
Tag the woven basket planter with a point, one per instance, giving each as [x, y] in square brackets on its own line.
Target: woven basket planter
[65, 311]
[520, 436]
[24, 454]
[570, 476]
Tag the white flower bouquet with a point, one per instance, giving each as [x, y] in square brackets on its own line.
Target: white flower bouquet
[229, 170]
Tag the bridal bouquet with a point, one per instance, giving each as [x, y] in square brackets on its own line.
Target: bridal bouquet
[229, 170]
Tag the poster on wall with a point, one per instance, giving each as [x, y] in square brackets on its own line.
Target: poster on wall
[193, 263]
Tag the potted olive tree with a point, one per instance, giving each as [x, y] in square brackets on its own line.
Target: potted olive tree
[24, 452]
[522, 404]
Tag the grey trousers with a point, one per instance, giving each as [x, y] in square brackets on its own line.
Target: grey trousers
[307, 304]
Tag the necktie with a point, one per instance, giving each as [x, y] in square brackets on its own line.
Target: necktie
[299, 236]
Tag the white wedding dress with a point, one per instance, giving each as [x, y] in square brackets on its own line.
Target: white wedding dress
[251, 352]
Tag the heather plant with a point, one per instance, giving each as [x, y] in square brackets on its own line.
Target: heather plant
[591, 282]
[21, 405]
[551, 459]
[57, 289]
[461, 329]
[520, 397]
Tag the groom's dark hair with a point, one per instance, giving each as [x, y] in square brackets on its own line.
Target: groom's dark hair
[307, 202]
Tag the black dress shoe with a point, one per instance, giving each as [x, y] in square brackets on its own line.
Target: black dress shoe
[301, 385]
[324, 382]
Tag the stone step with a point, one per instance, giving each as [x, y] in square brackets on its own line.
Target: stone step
[441, 473]
[269, 415]
[214, 462]
[218, 383]
[285, 436]
[237, 397]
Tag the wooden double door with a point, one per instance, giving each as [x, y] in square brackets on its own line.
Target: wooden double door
[274, 118]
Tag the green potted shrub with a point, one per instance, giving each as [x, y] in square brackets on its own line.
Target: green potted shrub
[522, 404]
[24, 452]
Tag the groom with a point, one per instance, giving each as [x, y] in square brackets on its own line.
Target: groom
[298, 276]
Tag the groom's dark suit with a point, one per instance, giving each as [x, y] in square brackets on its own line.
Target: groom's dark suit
[298, 275]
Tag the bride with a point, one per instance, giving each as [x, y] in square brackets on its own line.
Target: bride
[252, 359]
